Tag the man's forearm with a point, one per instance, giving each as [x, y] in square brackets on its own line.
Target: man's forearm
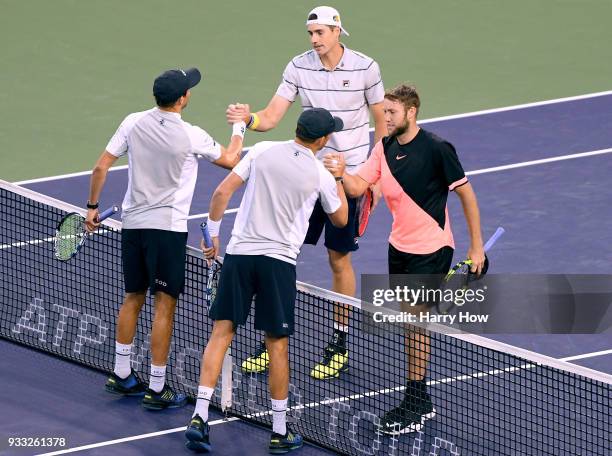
[264, 120]
[234, 151]
[354, 186]
[98, 178]
[218, 205]
[472, 215]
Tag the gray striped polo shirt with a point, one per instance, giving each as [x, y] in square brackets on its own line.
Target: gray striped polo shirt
[346, 92]
[284, 182]
[162, 151]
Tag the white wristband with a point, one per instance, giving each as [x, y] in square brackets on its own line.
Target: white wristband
[213, 227]
[238, 129]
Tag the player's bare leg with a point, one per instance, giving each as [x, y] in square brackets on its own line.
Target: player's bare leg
[335, 355]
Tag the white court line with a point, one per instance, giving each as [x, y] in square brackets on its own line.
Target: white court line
[442, 381]
[40, 241]
[487, 170]
[205, 214]
[538, 162]
[130, 439]
[587, 355]
[425, 121]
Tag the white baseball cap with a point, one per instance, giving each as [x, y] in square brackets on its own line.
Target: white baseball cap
[326, 15]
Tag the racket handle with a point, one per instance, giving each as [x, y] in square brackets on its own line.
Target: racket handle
[206, 235]
[107, 213]
[493, 239]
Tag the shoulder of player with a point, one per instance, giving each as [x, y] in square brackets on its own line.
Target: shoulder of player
[305, 60]
[358, 61]
[439, 142]
[193, 132]
[267, 146]
[136, 116]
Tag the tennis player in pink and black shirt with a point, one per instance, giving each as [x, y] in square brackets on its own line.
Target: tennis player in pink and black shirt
[416, 170]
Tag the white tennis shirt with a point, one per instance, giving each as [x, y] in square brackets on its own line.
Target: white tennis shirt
[284, 181]
[162, 151]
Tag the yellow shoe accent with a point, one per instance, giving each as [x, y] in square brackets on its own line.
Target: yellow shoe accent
[330, 366]
[256, 364]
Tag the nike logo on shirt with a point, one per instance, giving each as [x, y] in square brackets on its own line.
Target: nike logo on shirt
[399, 157]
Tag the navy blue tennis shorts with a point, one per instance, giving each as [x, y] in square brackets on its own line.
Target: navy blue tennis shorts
[270, 281]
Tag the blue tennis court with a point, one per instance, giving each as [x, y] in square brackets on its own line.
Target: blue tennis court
[541, 171]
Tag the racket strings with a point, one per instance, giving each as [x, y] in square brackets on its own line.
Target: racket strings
[69, 237]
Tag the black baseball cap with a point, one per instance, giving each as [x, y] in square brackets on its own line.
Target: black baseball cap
[317, 122]
[172, 84]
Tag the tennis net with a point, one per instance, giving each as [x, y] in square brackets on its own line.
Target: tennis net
[490, 398]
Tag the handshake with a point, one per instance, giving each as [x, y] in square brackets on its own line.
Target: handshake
[239, 117]
[238, 112]
[335, 164]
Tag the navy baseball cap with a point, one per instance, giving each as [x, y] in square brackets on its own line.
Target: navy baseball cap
[317, 122]
[172, 84]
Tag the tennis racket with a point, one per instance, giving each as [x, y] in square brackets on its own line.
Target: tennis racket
[214, 269]
[364, 207]
[460, 276]
[71, 233]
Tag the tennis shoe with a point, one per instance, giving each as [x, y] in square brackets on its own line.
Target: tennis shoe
[333, 362]
[129, 386]
[282, 444]
[166, 398]
[258, 362]
[409, 416]
[197, 435]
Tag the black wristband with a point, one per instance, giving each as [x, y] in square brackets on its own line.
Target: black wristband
[339, 178]
[92, 206]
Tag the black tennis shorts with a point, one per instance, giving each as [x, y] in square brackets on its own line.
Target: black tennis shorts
[342, 240]
[438, 262]
[416, 271]
[154, 260]
[271, 281]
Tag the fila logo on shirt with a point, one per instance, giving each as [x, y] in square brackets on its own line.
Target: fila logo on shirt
[346, 83]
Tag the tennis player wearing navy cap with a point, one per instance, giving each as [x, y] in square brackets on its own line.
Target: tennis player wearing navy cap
[285, 180]
[163, 150]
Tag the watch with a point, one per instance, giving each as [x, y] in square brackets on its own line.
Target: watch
[92, 206]
[339, 178]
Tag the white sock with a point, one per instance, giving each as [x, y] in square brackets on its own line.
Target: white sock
[205, 394]
[279, 416]
[343, 328]
[122, 359]
[157, 378]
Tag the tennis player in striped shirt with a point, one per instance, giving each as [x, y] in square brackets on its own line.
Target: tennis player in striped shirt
[349, 85]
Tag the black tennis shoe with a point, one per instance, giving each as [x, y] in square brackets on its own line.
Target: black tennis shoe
[166, 398]
[409, 416]
[129, 386]
[282, 444]
[197, 435]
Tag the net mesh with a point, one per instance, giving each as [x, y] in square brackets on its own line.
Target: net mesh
[487, 399]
